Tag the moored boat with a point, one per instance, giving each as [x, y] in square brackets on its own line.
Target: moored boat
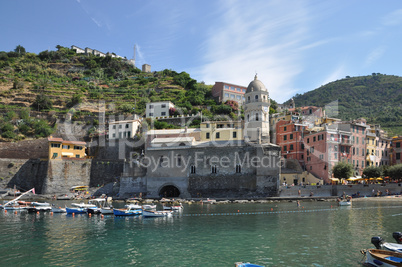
[106, 210]
[76, 210]
[58, 209]
[153, 213]
[379, 243]
[246, 264]
[383, 258]
[39, 208]
[129, 211]
[83, 205]
[148, 207]
[99, 204]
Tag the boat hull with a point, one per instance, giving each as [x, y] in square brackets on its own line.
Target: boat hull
[149, 213]
[383, 258]
[123, 212]
[76, 210]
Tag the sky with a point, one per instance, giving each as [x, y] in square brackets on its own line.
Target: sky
[293, 46]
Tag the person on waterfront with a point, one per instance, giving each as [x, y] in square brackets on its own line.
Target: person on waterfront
[298, 203]
[299, 192]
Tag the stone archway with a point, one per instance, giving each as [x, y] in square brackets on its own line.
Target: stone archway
[169, 191]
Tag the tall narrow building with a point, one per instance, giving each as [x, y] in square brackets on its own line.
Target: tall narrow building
[256, 113]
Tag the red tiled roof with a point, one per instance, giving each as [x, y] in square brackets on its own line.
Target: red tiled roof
[54, 139]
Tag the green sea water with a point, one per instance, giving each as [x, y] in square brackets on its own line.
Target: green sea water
[272, 234]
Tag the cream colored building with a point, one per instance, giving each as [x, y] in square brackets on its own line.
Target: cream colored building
[221, 131]
[158, 109]
[123, 129]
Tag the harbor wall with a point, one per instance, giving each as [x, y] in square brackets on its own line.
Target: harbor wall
[337, 190]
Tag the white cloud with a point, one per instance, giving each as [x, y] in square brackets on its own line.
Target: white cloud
[336, 74]
[255, 38]
[393, 18]
[374, 56]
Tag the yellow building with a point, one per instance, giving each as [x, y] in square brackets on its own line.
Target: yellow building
[59, 149]
[221, 131]
[370, 147]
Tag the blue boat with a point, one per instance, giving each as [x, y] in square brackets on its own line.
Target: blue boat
[76, 210]
[246, 264]
[127, 212]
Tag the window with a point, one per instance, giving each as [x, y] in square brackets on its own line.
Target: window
[114, 135]
[234, 134]
[398, 144]
[161, 161]
[55, 155]
[238, 169]
[163, 113]
[55, 145]
[291, 147]
[66, 147]
[256, 116]
[178, 160]
[77, 147]
[218, 135]
[312, 149]
[213, 169]
[285, 137]
[308, 140]
[227, 95]
[163, 105]
[120, 127]
[207, 125]
[150, 115]
[314, 139]
[248, 117]
[291, 136]
[256, 97]
[284, 129]
[285, 148]
[398, 156]
[151, 106]
[114, 127]
[192, 169]
[77, 156]
[127, 126]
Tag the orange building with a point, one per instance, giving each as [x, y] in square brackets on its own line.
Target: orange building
[59, 149]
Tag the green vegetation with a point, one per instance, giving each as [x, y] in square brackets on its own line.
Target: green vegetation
[376, 97]
[342, 170]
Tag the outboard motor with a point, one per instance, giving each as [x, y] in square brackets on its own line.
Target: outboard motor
[397, 236]
[377, 241]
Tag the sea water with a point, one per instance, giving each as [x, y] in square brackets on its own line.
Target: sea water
[271, 234]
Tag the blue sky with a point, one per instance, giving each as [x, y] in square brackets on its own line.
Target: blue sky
[293, 46]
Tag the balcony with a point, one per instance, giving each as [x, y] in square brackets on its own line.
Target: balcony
[346, 142]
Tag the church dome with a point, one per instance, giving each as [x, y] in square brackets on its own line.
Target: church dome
[256, 85]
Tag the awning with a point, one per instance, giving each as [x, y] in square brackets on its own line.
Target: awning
[355, 178]
[67, 154]
[334, 179]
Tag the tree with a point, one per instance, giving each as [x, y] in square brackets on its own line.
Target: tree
[42, 102]
[395, 172]
[372, 172]
[342, 170]
[20, 50]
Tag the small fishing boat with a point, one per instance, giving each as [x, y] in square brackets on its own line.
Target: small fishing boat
[40, 204]
[153, 213]
[76, 210]
[379, 243]
[39, 208]
[177, 207]
[246, 264]
[83, 205]
[209, 201]
[129, 211]
[99, 203]
[107, 210]
[383, 258]
[15, 206]
[58, 209]
[148, 207]
[133, 206]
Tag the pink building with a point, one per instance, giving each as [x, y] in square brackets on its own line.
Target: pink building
[227, 91]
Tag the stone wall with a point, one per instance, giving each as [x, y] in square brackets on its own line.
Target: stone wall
[26, 149]
[24, 174]
[103, 172]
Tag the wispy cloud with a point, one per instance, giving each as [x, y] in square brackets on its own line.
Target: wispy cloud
[374, 56]
[245, 42]
[336, 74]
[393, 18]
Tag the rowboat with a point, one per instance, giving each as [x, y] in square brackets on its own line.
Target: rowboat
[379, 243]
[383, 258]
[129, 211]
[153, 213]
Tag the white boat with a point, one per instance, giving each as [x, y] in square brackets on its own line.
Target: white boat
[148, 207]
[177, 207]
[83, 205]
[133, 206]
[58, 209]
[39, 208]
[15, 206]
[98, 202]
[209, 201]
[379, 243]
[153, 213]
[106, 210]
[40, 204]
[383, 258]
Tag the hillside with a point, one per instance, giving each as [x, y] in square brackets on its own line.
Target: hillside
[377, 97]
[54, 82]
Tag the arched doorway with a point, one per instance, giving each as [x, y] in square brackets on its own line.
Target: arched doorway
[169, 191]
